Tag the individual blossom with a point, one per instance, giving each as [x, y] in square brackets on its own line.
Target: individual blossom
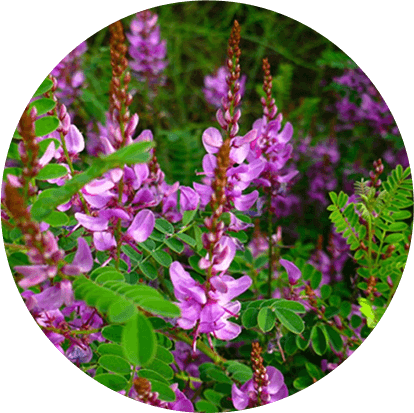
[147, 49]
[266, 386]
[47, 262]
[208, 307]
[216, 88]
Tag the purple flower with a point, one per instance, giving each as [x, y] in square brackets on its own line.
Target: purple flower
[246, 396]
[208, 307]
[35, 274]
[293, 272]
[189, 199]
[147, 49]
[215, 86]
[142, 225]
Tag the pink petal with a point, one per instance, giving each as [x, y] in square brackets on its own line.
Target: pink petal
[212, 140]
[92, 223]
[142, 225]
[74, 140]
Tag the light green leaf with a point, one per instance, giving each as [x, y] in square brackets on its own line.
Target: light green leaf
[139, 341]
[46, 125]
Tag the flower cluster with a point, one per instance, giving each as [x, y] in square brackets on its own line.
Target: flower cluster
[69, 75]
[208, 307]
[363, 103]
[215, 86]
[267, 385]
[147, 49]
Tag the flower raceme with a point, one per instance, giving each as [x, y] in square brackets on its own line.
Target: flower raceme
[208, 307]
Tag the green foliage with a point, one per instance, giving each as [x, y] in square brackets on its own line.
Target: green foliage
[379, 241]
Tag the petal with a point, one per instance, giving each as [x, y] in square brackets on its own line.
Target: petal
[74, 140]
[212, 140]
[103, 241]
[142, 225]
[48, 155]
[276, 379]
[245, 202]
[240, 399]
[229, 332]
[34, 274]
[99, 186]
[189, 199]
[83, 257]
[293, 271]
[92, 223]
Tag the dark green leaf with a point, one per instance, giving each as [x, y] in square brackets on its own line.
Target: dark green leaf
[113, 381]
[175, 245]
[162, 258]
[187, 239]
[318, 340]
[290, 320]
[289, 305]
[112, 333]
[164, 226]
[249, 317]
[148, 270]
[160, 367]
[51, 171]
[206, 407]
[164, 391]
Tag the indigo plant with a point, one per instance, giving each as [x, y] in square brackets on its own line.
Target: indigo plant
[243, 283]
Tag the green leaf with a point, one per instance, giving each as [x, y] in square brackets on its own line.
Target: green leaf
[238, 371]
[401, 215]
[162, 258]
[301, 383]
[206, 407]
[160, 307]
[175, 245]
[398, 226]
[303, 343]
[53, 197]
[151, 375]
[314, 371]
[121, 311]
[164, 355]
[393, 238]
[218, 375]
[334, 338]
[57, 219]
[45, 86]
[113, 381]
[43, 105]
[164, 391]
[316, 280]
[115, 364]
[164, 226]
[187, 239]
[46, 125]
[318, 340]
[266, 319]
[131, 253]
[110, 275]
[213, 396]
[110, 348]
[326, 291]
[160, 367]
[51, 171]
[139, 341]
[148, 270]
[44, 144]
[289, 305]
[249, 317]
[290, 320]
[333, 197]
[112, 333]
[188, 216]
